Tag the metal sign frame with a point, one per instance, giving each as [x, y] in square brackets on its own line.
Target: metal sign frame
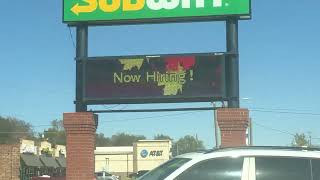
[231, 65]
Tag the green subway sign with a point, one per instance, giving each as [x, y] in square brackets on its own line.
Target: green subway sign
[152, 11]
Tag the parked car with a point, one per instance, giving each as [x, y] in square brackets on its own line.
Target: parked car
[103, 175]
[247, 163]
[138, 174]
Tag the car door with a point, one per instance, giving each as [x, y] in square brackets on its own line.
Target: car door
[227, 168]
[283, 168]
[316, 169]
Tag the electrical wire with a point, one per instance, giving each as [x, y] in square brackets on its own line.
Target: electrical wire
[278, 130]
[273, 129]
[280, 109]
[150, 117]
[111, 107]
[285, 112]
[71, 37]
[121, 120]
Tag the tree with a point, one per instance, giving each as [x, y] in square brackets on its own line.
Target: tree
[12, 130]
[162, 137]
[102, 141]
[56, 133]
[300, 140]
[187, 144]
[123, 139]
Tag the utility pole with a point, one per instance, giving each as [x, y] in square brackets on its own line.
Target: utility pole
[216, 129]
[310, 139]
[250, 132]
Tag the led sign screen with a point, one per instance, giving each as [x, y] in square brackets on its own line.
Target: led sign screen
[154, 79]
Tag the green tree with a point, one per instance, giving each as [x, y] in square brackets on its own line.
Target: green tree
[12, 130]
[56, 133]
[187, 144]
[123, 139]
[162, 137]
[300, 140]
[102, 141]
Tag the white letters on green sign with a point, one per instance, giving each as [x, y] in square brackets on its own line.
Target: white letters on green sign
[162, 4]
[186, 3]
[131, 5]
[217, 3]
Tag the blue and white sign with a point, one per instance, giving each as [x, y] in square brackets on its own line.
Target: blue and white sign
[144, 153]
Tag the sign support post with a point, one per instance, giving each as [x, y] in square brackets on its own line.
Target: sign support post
[232, 63]
[81, 53]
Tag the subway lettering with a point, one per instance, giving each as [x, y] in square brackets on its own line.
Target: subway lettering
[136, 5]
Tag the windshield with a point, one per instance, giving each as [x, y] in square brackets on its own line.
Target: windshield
[165, 169]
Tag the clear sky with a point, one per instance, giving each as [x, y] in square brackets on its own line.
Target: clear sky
[279, 68]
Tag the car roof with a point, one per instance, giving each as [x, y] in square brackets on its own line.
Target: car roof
[302, 152]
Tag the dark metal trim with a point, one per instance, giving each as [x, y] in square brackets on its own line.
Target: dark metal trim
[232, 62]
[159, 20]
[155, 110]
[101, 58]
[152, 100]
[81, 53]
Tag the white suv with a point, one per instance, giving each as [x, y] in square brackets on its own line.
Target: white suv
[246, 163]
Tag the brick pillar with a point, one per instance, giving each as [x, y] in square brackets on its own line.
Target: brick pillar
[80, 130]
[233, 124]
[9, 161]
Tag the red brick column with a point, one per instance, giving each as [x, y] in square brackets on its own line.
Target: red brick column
[80, 130]
[233, 124]
[9, 161]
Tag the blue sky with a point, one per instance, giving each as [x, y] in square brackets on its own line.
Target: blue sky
[279, 68]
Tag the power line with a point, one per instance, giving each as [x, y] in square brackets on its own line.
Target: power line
[150, 117]
[25, 132]
[111, 107]
[281, 109]
[71, 37]
[278, 130]
[285, 112]
[273, 129]
[134, 119]
[124, 107]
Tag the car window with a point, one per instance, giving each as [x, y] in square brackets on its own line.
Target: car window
[215, 169]
[316, 169]
[99, 174]
[272, 168]
[165, 169]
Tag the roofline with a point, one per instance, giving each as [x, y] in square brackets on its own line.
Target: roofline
[289, 148]
[113, 153]
[164, 140]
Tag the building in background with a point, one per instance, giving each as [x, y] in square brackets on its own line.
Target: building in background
[116, 160]
[44, 159]
[143, 155]
[28, 146]
[149, 154]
